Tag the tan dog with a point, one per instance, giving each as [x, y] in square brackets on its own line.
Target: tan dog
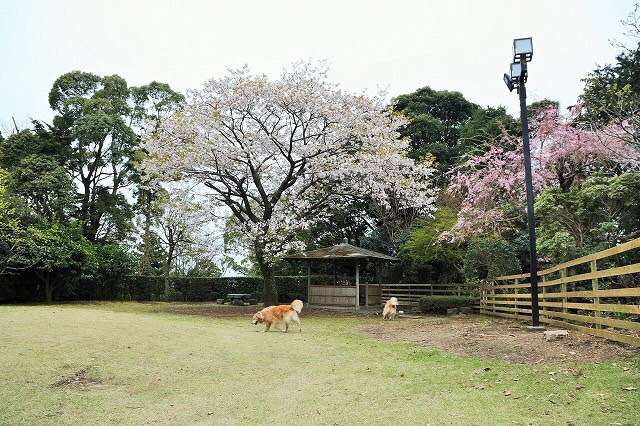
[275, 314]
[390, 308]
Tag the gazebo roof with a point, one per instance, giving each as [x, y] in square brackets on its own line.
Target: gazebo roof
[343, 251]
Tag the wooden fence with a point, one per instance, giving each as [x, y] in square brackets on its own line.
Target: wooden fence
[598, 294]
[409, 294]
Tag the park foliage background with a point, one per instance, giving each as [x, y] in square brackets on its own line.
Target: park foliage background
[132, 185]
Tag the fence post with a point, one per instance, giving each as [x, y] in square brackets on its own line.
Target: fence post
[594, 287]
[544, 293]
[515, 299]
[563, 289]
[493, 295]
[410, 294]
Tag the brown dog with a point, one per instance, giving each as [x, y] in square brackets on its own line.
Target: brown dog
[275, 314]
[390, 308]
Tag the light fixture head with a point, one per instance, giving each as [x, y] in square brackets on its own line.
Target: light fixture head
[518, 73]
[522, 48]
[508, 82]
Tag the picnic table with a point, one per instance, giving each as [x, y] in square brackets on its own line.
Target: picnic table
[241, 298]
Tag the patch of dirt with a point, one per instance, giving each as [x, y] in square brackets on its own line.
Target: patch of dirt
[475, 336]
[79, 380]
[499, 338]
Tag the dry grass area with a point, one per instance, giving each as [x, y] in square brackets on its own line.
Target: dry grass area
[182, 364]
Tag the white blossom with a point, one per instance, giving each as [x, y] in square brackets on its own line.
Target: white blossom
[279, 154]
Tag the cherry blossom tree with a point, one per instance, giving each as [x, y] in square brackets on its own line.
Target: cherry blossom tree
[563, 155]
[277, 155]
[567, 152]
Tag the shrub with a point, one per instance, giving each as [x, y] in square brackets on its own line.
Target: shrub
[440, 304]
[291, 288]
[204, 289]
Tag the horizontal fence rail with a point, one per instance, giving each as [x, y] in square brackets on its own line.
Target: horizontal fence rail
[410, 294]
[598, 294]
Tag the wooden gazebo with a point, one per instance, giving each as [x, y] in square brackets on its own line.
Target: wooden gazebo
[336, 295]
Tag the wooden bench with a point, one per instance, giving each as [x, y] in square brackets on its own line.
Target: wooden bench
[240, 299]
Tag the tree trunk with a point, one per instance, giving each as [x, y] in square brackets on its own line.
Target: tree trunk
[270, 290]
[48, 290]
[167, 271]
[145, 261]
[45, 277]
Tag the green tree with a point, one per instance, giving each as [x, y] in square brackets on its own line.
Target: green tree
[11, 232]
[435, 122]
[93, 114]
[612, 91]
[44, 186]
[427, 259]
[100, 121]
[59, 255]
[152, 103]
[486, 125]
[611, 97]
[114, 263]
[37, 177]
[490, 258]
[601, 213]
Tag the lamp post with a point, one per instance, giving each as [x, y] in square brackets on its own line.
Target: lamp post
[522, 53]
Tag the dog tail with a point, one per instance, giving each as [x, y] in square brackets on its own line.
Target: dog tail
[296, 305]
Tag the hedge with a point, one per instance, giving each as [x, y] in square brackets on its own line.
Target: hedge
[203, 289]
[440, 304]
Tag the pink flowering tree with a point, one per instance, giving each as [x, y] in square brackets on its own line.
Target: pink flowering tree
[566, 152]
[563, 154]
[278, 155]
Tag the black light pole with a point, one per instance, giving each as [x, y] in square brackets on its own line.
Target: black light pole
[522, 53]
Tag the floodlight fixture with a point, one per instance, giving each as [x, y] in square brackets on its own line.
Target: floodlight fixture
[508, 81]
[522, 48]
[518, 72]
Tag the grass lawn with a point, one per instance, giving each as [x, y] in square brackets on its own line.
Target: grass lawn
[135, 364]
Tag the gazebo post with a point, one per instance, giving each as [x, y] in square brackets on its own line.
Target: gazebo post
[357, 285]
[366, 294]
[308, 282]
[379, 276]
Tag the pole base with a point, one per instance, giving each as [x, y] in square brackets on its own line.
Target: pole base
[536, 328]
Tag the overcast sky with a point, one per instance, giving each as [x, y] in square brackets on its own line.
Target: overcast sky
[400, 46]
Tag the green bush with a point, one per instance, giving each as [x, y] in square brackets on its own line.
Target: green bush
[142, 288]
[291, 288]
[440, 304]
[206, 289]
